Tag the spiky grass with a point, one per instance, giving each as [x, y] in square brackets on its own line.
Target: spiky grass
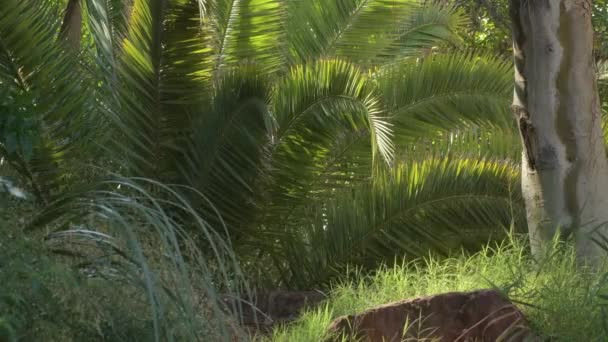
[136, 235]
[561, 300]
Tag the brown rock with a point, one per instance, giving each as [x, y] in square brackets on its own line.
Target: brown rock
[480, 316]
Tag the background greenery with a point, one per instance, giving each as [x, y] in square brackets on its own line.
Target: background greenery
[160, 154]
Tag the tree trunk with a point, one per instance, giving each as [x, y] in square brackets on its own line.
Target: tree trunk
[556, 103]
[71, 26]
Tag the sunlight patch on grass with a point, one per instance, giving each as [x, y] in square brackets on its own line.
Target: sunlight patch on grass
[560, 299]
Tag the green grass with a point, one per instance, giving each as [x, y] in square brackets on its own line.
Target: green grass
[561, 300]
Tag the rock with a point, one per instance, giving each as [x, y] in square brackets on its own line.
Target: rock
[478, 316]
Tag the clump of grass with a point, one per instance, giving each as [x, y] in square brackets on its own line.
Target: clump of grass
[130, 269]
[561, 299]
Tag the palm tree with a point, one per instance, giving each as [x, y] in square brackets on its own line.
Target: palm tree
[321, 137]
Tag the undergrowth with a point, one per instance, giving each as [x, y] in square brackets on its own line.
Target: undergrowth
[43, 297]
[562, 300]
[111, 266]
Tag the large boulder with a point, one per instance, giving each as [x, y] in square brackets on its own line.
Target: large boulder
[478, 316]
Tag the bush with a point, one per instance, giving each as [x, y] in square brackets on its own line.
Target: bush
[43, 298]
[133, 275]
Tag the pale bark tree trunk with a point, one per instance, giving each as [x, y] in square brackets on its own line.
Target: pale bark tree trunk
[556, 103]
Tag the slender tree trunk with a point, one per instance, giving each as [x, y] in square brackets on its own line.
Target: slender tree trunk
[71, 26]
[564, 168]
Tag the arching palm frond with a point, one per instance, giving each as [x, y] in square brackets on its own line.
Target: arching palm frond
[350, 29]
[108, 24]
[224, 155]
[435, 204]
[445, 92]
[316, 106]
[427, 28]
[474, 142]
[266, 146]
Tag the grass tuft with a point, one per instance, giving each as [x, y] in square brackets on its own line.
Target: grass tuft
[561, 300]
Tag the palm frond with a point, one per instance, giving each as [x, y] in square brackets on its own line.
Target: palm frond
[474, 142]
[316, 106]
[349, 29]
[246, 31]
[435, 205]
[48, 94]
[426, 28]
[161, 78]
[107, 22]
[446, 92]
[224, 156]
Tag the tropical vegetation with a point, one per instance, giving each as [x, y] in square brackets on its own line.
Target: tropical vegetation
[157, 155]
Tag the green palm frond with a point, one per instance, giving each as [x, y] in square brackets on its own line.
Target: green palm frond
[161, 76]
[445, 92]
[224, 156]
[426, 28]
[247, 31]
[435, 204]
[475, 142]
[267, 145]
[108, 21]
[47, 95]
[316, 106]
[139, 115]
[350, 29]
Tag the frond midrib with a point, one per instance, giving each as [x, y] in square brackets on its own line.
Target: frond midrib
[330, 49]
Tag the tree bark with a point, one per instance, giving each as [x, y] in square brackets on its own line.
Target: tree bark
[556, 104]
[71, 27]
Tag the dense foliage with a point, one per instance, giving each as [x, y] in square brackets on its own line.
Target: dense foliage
[185, 148]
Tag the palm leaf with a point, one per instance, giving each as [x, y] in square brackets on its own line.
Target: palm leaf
[246, 31]
[47, 95]
[436, 205]
[162, 72]
[316, 107]
[447, 92]
[349, 29]
[224, 156]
